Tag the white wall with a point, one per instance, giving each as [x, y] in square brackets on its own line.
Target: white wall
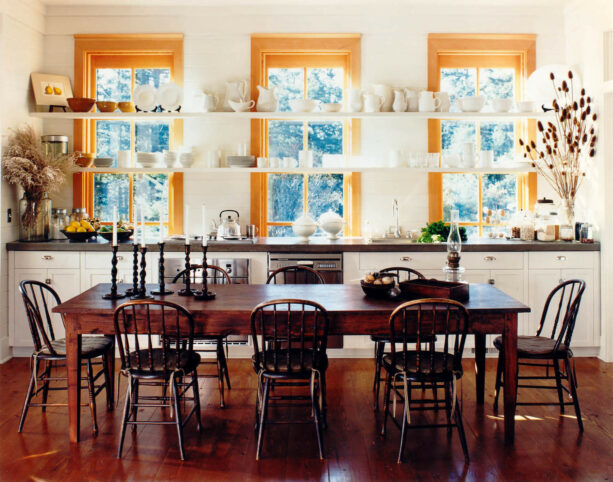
[21, 52]
[217, 49]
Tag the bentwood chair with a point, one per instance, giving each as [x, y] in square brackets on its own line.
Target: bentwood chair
[559, 315]
[295, 275]
[39, 299]
[137, 324]
[215, 276]
[289, 341]
[415, 323]
[401, 274]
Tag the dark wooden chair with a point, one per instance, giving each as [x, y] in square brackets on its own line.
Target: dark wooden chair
[137, 324]
[559, 315]
[415, 323]
[39, 299]
[295, 275]
[289, 341]
[215, 275]
[401, 274]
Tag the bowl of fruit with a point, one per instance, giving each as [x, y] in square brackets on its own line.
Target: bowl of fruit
[79, 231]
[380, 285]
[124, 231]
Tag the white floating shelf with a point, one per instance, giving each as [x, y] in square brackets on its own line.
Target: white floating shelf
[500, 116]
[137, 170]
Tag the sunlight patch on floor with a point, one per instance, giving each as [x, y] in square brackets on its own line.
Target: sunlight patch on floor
[44, 454]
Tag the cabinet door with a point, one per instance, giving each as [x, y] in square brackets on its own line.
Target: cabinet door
[586, 326]
[476, 275]
[66, 282]
[97, 276]
[511, 282]
[540, 284]
[20, 334]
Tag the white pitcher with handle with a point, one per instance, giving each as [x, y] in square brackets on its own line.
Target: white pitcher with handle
[373, 103]
[267, 99]
[354, 100]
[235, 91]
[400, 102]
[385, 92]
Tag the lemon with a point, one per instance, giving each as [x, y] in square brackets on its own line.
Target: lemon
[57, 91]
[75, 224]
[86, 225]
[81, 230]
[71, 229]
[48, 90]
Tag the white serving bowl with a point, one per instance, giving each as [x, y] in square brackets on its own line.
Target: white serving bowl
[304, 227]
[186, 159]
[331, 107]
[472, 103]
[525, 106]
[331, 223]
[303, 105]
[502, 105]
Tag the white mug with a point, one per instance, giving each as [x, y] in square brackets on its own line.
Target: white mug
[124, 159]
[444, 101]
[241, 149]
[395, 158]
[372, 103]
[486, 159]
[468, 154]
[214, 159]
[385, 92]
[209, 102]
[262, 162]
[428, 104]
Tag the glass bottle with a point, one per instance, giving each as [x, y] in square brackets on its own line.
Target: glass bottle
[35, 219]
[454, 240]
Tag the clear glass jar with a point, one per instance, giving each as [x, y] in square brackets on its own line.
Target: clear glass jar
[57, 224]
[546, 222]
[54, 145]
[587, 233]
[34, 219]
[79, 214]
[526, 227]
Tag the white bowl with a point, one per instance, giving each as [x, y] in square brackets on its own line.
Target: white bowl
[186, 159]
[303, 105]
[304, 226]
[525, 106]
[332, 224]
[502, 105]
[472, 103]
[331, 107]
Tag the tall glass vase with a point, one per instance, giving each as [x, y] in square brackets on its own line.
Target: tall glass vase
[34, 218]
[566, 215]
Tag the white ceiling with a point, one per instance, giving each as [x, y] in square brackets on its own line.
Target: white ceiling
[221, 3]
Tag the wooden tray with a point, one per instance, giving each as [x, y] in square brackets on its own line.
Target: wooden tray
[432, 288]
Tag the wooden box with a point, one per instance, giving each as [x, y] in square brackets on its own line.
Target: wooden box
[432, 288]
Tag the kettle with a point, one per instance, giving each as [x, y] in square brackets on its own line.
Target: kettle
[228, 226]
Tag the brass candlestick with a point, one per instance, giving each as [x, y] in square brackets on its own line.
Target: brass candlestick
[162, 288]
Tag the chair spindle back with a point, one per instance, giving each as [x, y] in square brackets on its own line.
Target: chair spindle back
[39, 299]
[295, 275]
[215, 275]
[403, 274]
[560, 311]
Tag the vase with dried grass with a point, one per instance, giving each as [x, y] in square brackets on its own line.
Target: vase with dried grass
[566, 144]
[37, 173]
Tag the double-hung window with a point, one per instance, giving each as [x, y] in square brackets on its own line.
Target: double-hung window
[494, 67]
[300, 67]
[111, 71]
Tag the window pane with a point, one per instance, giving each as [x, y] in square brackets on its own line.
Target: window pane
[112, 136]
[290, 83]
[280, 231]
[500, 138]
[111, 190]
[285, 138]
[285, 197]
[325, 85]
[461, 192]
[325, 193]
[152, 136]
[151, 191]
[455, 133]
[497, 83]
[499, 193]
[325, 138]
[153, 77]
[459, 83]
[114, 84]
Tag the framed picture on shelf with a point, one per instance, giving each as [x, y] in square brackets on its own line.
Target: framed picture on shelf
[51, 90]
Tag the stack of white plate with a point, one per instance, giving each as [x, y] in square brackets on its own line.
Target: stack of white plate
[148, 159]
[240, 161]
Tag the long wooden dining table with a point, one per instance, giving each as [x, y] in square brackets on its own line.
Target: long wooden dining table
[350, 313]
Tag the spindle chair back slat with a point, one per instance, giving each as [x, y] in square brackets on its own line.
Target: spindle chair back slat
[402, 273]
[39, 300]
[295, 275]
[215, 275]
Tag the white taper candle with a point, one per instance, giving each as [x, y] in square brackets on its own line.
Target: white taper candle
[114, 226]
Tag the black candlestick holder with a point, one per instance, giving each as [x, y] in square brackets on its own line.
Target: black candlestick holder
[114, 294]
[141, 292]
[205, 294]
[187, 291]
[162, 289]
[134, 289]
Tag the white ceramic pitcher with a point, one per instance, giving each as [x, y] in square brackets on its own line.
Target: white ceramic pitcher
[354, 99]
[400, 101]
[235, 91]
[372, 103]
[385, 92]
[267, 99]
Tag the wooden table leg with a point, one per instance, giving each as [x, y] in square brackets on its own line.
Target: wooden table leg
[480, 366]
[73, 368]
[510, 375]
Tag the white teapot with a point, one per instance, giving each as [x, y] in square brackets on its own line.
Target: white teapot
[268, 99]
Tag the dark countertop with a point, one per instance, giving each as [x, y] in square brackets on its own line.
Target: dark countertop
[315, 245]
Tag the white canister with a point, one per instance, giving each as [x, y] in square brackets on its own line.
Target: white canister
[427, 102]
[486, 159]
[214, 159]
[305, 159]
[209, 102]
[468, 154]
[395, 158]
[124, 159]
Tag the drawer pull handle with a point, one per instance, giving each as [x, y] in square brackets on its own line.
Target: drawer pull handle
[489, 258]
[406, 258]
[560, 258]
[48, 281]
[47, 257]
[491, 281]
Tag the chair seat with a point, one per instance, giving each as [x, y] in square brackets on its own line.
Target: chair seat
[91, 346]
[535, 347]
[399, 339]
[443, 366]
[187, 361]
[294, 367]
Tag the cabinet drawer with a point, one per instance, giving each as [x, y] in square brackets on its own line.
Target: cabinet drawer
[474, 260]
[415, 260]
[103, 260]
[47, 259]
[561, 260]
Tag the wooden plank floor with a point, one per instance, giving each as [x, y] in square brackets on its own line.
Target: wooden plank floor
[548, 446]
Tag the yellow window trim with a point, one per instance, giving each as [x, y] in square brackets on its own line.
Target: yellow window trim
[314, 50]
[127, 51]
[492, 50]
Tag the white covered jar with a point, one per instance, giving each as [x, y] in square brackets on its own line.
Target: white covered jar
[304, 227]
[331, 223]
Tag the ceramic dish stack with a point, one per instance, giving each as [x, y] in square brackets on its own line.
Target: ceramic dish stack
[147, 159]
[103, 161]
[240, 161]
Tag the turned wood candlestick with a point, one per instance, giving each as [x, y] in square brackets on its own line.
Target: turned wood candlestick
[114, 295]
[162, 288]
[187, 291]
[205, 294]
[141, 292]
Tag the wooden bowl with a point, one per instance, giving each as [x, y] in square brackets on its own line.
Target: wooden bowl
[127, 107]
[106, 106]
[377, 291]
[121, 235]
[80, 104]
[84, 161]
